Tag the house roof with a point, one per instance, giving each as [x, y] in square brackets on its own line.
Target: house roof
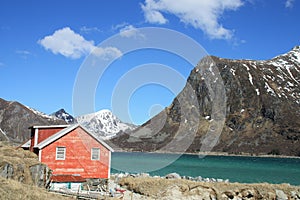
[67, 178]
[65, 131]
[26, 144]
[51, 126]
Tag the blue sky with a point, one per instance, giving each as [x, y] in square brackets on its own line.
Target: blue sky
[45, 43]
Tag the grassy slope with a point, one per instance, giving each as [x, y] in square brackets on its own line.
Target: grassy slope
[11, 188]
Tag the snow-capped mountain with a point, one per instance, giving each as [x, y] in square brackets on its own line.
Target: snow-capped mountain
[15, 118]
[104, 124]
[262, 108]
[62, 114]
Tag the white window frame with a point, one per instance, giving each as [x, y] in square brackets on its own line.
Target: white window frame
[63, 150]
[97, 151]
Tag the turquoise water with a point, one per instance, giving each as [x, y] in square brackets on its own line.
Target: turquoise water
[234, 168]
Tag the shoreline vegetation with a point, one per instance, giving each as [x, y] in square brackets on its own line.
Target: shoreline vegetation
[173, 186]
[241, 154]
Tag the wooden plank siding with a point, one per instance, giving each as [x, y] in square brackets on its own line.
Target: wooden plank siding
[42, 134]
[78, 144]
[45, 133]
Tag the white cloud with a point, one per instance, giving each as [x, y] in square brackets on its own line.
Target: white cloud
[24, 53]
[119, 26]
[152, 15]
[88, 30]
[130, 31]
[107, 52]
[204, 14]
[289, 4]
[67, 43]
[72, 45]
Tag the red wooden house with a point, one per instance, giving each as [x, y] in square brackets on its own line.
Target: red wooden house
[71, 151]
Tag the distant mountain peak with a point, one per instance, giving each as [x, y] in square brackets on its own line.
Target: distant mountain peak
[293, 56]
[62, 114]
[104, 124]
[104, 112]
[296, 48]
[61, 110]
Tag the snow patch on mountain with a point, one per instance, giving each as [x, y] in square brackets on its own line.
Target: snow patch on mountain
[104, 124]
[49, 117]
[280, 74]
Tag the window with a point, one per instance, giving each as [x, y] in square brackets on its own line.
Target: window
[95, 154]
[60, 153]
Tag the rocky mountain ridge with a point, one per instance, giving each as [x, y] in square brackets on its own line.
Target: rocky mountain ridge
[254, 108]
[15, 119]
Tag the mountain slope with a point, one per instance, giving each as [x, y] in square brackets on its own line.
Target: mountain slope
[15, 119]
[261, 113]
[104, 124]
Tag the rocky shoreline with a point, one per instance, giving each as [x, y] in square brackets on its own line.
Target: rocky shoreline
[173, 186]
[171, 176]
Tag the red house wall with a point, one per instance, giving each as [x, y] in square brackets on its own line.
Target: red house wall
[43, 133]
[78, 145]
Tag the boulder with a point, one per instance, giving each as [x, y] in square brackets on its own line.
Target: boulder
[6, 170]
[144, 175]
[173, 176]
[250, 194]
[40, 175]
[280, 195]
[295, 195]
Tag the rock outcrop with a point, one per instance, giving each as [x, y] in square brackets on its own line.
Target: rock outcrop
[23, 166]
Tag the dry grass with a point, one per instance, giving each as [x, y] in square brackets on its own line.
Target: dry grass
[10, 189]
[152, 186]
[21, 161]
